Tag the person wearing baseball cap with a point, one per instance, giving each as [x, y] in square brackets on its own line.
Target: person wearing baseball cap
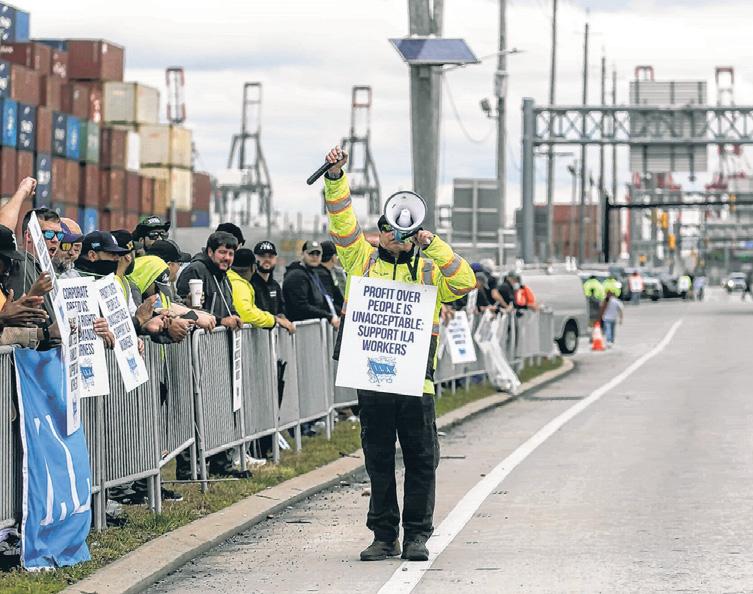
[267, 291]
[305, 296]
[100, 254]
[150, 229]
[234, 230]
[70, 248]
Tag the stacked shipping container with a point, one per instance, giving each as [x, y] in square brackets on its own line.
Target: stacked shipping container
[93, 142]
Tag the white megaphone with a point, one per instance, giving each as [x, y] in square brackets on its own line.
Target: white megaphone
[405, 212]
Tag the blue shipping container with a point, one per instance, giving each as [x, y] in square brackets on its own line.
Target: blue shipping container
[59, 131]
[4, 79]
[56, 44]
[200, 218]
[14, 24]
[88, 219]
[43, 173]
[10, 123]
[27, 127]
[72, 133]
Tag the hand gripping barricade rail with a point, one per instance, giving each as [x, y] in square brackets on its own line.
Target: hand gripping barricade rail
[187, 402]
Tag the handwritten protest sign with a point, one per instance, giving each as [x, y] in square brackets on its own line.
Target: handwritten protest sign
[115, 310]
[386, 336]
[45, 263]
[80, 299]
[459, 339]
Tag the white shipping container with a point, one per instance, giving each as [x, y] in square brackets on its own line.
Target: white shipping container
[147, 105]
[130, 103]
[179, 186]
[165, 145]
[133, 151]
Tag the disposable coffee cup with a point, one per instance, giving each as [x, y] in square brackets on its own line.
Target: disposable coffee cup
[195, 289]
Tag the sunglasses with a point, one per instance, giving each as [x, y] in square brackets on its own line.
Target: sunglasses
[50, 235]
[315, 253]
[386, 228]
[157, 234]
[66, 246]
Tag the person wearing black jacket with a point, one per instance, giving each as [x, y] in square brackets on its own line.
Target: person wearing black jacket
[267, 291]
[211, 268]
[326, 272]
[305, 295]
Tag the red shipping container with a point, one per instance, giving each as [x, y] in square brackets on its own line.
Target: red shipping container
[112, 189]
[58, 185]
[51, 92]
[147, 195]
[75, 99]
[96, 102]
[24, 165]
[24, 85]
[112, 148]
[59, 64]
[8, 181]
[36, 56]
[131, 219]
[44, 130]
[88, 194]
[65, 210]
[95, 59]
[133, 192]
[111, 220]
[202, 191]
[72, 182]
[184, 218]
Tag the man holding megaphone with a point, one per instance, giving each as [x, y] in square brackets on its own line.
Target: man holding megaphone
[406, 254]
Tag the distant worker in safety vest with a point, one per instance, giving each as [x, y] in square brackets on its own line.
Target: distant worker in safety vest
[386, 416]
[635, 284]
[595, 294]
[523, 295]
[611, 284]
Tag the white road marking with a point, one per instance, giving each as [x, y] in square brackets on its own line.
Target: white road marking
[407, 576]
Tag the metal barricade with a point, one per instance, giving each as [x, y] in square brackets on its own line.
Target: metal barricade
[313, 371]
[259, 383]
[131, 427]
[177, 430]
[220, 428]
[289, 411]
[92, 413]
[342, 397]
[527, 332]
[546, 332]
[10, 449]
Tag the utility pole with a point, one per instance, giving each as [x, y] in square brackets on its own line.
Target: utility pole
[500, 90]
[582, 206]
[425, 95]
[602, 186]
[550, 157]
[614, 162]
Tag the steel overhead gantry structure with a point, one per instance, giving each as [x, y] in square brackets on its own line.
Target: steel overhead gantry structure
[646, 126]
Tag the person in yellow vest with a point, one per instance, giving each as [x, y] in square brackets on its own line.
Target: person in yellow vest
[243, 294]
[594, 295]
[612, 285]
[387, 416]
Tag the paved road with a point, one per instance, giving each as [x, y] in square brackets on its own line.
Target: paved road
[647, 489]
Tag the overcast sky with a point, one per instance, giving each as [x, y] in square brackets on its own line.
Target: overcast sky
[309, 53]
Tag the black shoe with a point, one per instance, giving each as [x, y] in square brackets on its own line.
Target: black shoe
[170, 495]
[380, 550]
[414, 549]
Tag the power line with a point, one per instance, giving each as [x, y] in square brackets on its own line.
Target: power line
[456, 113]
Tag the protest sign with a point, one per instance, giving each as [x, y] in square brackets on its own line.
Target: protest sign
[115, 310]
[45, 264]
[56, 476]
[386, 337]
[72, 382]
[459, 339]
[490, 336]
[237, 369]
[80, 299]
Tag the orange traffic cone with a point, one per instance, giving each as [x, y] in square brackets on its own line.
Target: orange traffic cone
[597, 338]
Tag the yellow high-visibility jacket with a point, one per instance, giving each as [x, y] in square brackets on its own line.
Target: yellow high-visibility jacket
[438, 264]
[245, 303]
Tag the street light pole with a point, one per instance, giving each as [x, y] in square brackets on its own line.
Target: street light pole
[500, 90]
[582, 207]
[550, 158]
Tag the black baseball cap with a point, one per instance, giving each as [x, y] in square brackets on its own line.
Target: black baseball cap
[328, 250]
[244, 258]
[149, 223]
[124, 239]
[265, 247]
[102, 241]
[234, 230]
[8, 244]
[312, 245]
[168, 251]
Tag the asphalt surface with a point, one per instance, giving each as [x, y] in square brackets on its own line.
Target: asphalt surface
[648, 489]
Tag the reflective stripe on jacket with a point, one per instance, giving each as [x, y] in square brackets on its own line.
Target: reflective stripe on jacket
[438, 265]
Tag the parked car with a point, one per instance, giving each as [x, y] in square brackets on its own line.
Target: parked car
[735, 282]
[669, 285]
[652, 287]
[563, 293]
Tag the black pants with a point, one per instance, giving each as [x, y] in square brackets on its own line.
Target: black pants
[412, 420]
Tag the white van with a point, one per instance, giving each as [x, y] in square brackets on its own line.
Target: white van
[563, 293]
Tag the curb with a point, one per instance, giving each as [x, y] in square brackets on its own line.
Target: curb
[157, 558]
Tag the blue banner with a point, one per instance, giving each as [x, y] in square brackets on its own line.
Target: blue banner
[57, 483]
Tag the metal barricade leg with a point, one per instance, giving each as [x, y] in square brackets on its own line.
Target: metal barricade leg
[199, 410]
